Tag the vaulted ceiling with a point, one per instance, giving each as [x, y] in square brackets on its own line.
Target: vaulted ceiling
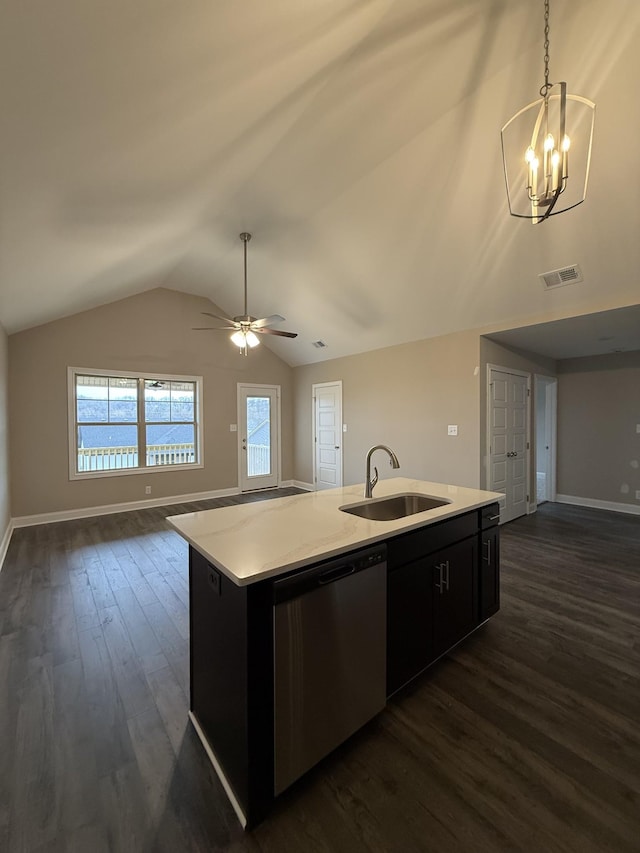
[358, 141]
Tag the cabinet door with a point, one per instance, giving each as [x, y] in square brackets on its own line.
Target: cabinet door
[489, 573]
[409, 644]
[455, 602]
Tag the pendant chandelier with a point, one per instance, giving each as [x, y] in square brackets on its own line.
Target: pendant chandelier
[536, 144]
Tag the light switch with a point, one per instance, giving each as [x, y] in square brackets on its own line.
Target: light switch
[344, 427]
[452, 429]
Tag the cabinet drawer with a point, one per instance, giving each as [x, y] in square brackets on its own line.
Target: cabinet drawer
[411, 546]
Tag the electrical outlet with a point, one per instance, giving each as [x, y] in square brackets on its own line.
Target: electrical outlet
[452, 429]
[233, 427]
[147, 490]
[638, 494]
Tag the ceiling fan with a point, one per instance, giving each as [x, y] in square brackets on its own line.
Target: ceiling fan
[246, 328]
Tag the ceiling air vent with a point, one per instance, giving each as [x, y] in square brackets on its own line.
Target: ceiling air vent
[558, 278]
[318, 344]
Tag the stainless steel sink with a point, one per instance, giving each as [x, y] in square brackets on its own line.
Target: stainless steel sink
[393, 506]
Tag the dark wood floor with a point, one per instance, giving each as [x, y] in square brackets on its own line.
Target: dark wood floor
[525, 738]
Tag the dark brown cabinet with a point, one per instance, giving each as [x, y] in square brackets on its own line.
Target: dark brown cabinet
[454, 594]
[439, 590]
[409, 628]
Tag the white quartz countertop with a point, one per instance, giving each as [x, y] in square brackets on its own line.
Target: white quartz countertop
[253, 541]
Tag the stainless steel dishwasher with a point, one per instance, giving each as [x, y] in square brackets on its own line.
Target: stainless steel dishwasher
[329, 657]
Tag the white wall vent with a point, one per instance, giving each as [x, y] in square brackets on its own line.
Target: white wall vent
[318, 344]
[558, 278]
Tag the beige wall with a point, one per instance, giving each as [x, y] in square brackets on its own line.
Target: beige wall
[403, 396]
[5, 505]
[598, 413]
[149, 332]
[497, 355]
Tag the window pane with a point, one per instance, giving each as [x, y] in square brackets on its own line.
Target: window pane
[101, 399]
[93, 411]
[169, 401]
[157, 400]
[105, 448]
[123, 399]
[182, 401]
[170, 445]
[92, 398]
[258, 436]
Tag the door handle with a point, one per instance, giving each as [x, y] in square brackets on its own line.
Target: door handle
[337, 447]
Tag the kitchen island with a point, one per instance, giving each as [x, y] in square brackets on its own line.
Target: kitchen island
[305, 618]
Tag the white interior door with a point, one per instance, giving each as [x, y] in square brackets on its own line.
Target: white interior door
[258, 436]
[327, 419]
[508, 443]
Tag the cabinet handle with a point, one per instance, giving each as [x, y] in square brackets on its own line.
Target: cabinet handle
[439, 583]
[487, 559]
[442, 585]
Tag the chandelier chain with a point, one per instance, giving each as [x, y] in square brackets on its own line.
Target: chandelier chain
[544, 89]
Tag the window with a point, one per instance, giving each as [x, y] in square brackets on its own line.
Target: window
[121, 423]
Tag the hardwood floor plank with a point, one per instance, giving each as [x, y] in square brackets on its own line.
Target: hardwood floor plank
[106, 715]
[525, 738]
[143, 639]
[172, 704]
[174, 646]
[76, 776]
[127, 668]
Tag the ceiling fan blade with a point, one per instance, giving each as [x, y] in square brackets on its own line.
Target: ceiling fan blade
[218, 317]
[267, 321]
[265, 331]
[210, 328]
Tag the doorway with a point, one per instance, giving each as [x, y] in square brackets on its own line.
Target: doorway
[545, 397]
[327, 435]
[508, 440]
[258, 436]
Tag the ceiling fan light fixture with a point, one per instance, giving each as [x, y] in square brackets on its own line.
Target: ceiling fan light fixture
[536, 146]
[244, 338]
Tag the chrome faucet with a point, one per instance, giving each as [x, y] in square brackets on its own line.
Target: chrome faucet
[369, 483]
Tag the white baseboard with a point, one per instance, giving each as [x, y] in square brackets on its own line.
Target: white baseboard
[109, 509]
[299, 484]
[218, 768]
[612, 506]
[4, 542]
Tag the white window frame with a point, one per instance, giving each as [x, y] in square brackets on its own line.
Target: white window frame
[74, 474]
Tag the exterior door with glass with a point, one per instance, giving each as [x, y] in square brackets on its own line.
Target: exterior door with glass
[258, 436]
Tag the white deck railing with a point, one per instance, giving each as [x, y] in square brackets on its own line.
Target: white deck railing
[259, 460]
[110, 458]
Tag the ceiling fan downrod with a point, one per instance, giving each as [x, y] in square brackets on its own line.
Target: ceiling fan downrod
[245, 236]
